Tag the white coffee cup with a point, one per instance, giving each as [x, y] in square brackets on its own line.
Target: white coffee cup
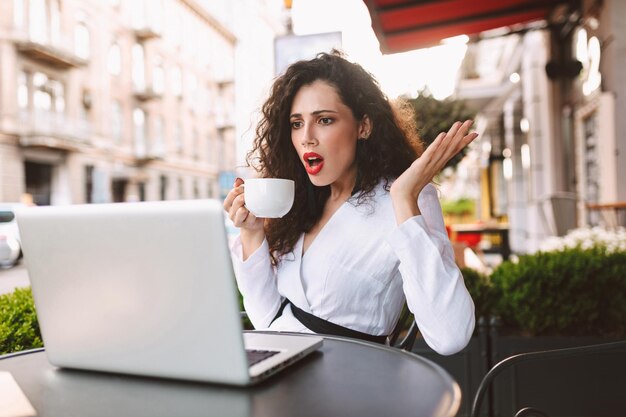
[269, 197]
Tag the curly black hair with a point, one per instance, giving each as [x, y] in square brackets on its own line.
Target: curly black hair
[392, 146]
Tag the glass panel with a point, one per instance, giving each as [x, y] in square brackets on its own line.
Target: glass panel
[18, 13]
[139, 120]
[178, 138]
[22, 90]
[116, 121]
[58, 94]
[114, 59]
[55, 22]
[158, 137]
[177, 82]
[82, 40]
[138, 13]
[139, 78]
[158, 76]
[38, 23]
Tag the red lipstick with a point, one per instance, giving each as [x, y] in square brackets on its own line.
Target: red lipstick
[313, 163]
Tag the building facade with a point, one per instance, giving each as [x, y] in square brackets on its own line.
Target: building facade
[110, 101]
[551, 98]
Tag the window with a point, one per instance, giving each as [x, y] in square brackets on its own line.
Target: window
[181, 191]
[196, 144]
[196, 189]
[81, 36]
[192, 90]
[22, 90]
[89, 183]
[55, 22]
[220, 150]
[142, 191]
[158, 148]
[139, 78]
[18, 13]
[138, 13]
[86, 102]
[49, 94]
[38, 22]
[158, 76]
[163, 187]
[209, 146]
[178, 138]
[174, 24]
[117, 121]
[155, 15]
[177, 82]
[139, 122]
[114, 59]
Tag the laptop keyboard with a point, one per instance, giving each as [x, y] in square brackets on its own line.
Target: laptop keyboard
[256, 356]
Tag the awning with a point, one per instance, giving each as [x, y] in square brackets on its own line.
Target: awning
[402, 25]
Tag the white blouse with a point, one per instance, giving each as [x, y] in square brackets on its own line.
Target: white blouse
[358, 271]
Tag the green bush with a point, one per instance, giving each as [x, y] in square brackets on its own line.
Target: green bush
[19, 328]
[570, 292]
[458, 207]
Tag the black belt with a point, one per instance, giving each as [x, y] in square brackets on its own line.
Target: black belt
[322, 326]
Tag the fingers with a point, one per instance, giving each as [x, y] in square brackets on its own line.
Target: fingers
[234, 204]
[446, 145]
[236, 191]
[456, 139]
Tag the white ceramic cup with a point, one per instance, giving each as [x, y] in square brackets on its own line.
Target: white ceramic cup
[269, 197]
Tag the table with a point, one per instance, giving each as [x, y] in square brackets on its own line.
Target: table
[344, 378]
[497, 229]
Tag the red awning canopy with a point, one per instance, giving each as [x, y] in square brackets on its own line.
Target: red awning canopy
[402, 25]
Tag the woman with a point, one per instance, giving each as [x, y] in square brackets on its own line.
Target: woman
[366, 230]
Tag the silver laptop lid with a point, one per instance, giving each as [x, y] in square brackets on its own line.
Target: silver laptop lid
[141, 288]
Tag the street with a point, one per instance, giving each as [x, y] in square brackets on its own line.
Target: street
[13, 278]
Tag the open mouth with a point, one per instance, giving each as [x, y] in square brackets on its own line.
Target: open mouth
[313, 162]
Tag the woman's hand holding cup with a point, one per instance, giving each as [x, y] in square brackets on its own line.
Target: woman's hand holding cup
[268, 197]
[241, 217]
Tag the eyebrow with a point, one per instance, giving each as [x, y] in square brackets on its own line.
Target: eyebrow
[315, 113]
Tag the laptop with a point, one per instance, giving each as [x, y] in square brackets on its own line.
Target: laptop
[146, 289]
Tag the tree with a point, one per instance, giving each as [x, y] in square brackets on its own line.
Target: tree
[435, 116]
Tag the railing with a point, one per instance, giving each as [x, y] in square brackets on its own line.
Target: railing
[51, 129]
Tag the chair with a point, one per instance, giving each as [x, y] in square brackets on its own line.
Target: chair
[405, 327]
[521, 358]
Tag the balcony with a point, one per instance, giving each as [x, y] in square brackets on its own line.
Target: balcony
[224, 120]
[146, 33]
[50, 130]
[55, 56]
[147, 93]
[145, 154]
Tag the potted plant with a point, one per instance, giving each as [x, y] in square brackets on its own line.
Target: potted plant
[571, 293]
[19, 327]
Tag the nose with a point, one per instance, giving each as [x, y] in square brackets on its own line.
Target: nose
[308, 137]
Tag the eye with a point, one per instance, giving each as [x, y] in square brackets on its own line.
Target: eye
[326, 120]
[296, 124]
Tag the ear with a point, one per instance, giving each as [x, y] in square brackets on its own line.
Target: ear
[365, 127]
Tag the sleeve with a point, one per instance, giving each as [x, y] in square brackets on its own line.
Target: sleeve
[432, 282]
[256, 279]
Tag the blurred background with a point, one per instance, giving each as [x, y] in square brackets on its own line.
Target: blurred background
[137, 100]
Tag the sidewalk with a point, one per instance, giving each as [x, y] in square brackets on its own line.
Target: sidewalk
[13, 278]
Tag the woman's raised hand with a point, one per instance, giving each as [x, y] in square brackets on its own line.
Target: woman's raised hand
[406, 187]
[241, 217]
